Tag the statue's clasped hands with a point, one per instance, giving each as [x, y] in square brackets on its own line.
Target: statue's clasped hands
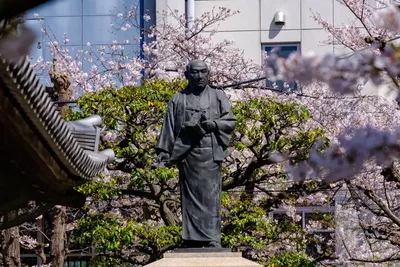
[209, 126]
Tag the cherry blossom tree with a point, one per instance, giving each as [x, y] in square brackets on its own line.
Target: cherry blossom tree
[363, 155]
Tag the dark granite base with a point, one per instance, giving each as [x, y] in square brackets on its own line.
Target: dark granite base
[201, 250]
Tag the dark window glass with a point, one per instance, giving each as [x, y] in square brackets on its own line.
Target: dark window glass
[284, 52]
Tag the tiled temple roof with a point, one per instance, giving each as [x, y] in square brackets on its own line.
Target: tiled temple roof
[43, 156]
[31, 97]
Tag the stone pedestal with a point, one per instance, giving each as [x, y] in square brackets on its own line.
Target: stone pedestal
[203, 258]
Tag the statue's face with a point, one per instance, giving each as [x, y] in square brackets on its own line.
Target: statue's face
[197, 75]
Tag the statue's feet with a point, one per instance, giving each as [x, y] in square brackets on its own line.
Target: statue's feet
[201, 244]
[214, 244]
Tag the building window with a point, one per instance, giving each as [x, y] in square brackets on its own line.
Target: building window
[84, 21]
[325, 235]
[284, 51]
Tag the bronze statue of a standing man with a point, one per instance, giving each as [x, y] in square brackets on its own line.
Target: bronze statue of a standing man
[195, 135]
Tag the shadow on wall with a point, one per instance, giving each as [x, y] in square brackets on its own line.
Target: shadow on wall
[275, 28]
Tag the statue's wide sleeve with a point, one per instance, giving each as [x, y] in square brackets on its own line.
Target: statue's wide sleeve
[226, 122]
[166, 139]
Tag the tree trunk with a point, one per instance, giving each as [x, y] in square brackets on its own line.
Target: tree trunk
[62, 85]
[167, 215]
[9, 242]
[58, 236]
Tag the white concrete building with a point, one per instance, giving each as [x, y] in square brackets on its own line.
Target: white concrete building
[255, 28]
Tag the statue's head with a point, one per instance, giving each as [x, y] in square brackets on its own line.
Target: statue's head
[197, 74]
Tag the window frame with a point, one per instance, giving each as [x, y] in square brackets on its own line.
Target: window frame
[303, 211]
[285, 44]
[296, 85]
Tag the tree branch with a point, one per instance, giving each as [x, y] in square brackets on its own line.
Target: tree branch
[371, 195]
[358, 17]
[246, 174]
[138, 193]
[394, 257]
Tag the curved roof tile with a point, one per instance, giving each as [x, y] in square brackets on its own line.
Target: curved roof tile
[31, 97]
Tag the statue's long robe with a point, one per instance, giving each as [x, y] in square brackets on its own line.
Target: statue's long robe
[199, 160]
